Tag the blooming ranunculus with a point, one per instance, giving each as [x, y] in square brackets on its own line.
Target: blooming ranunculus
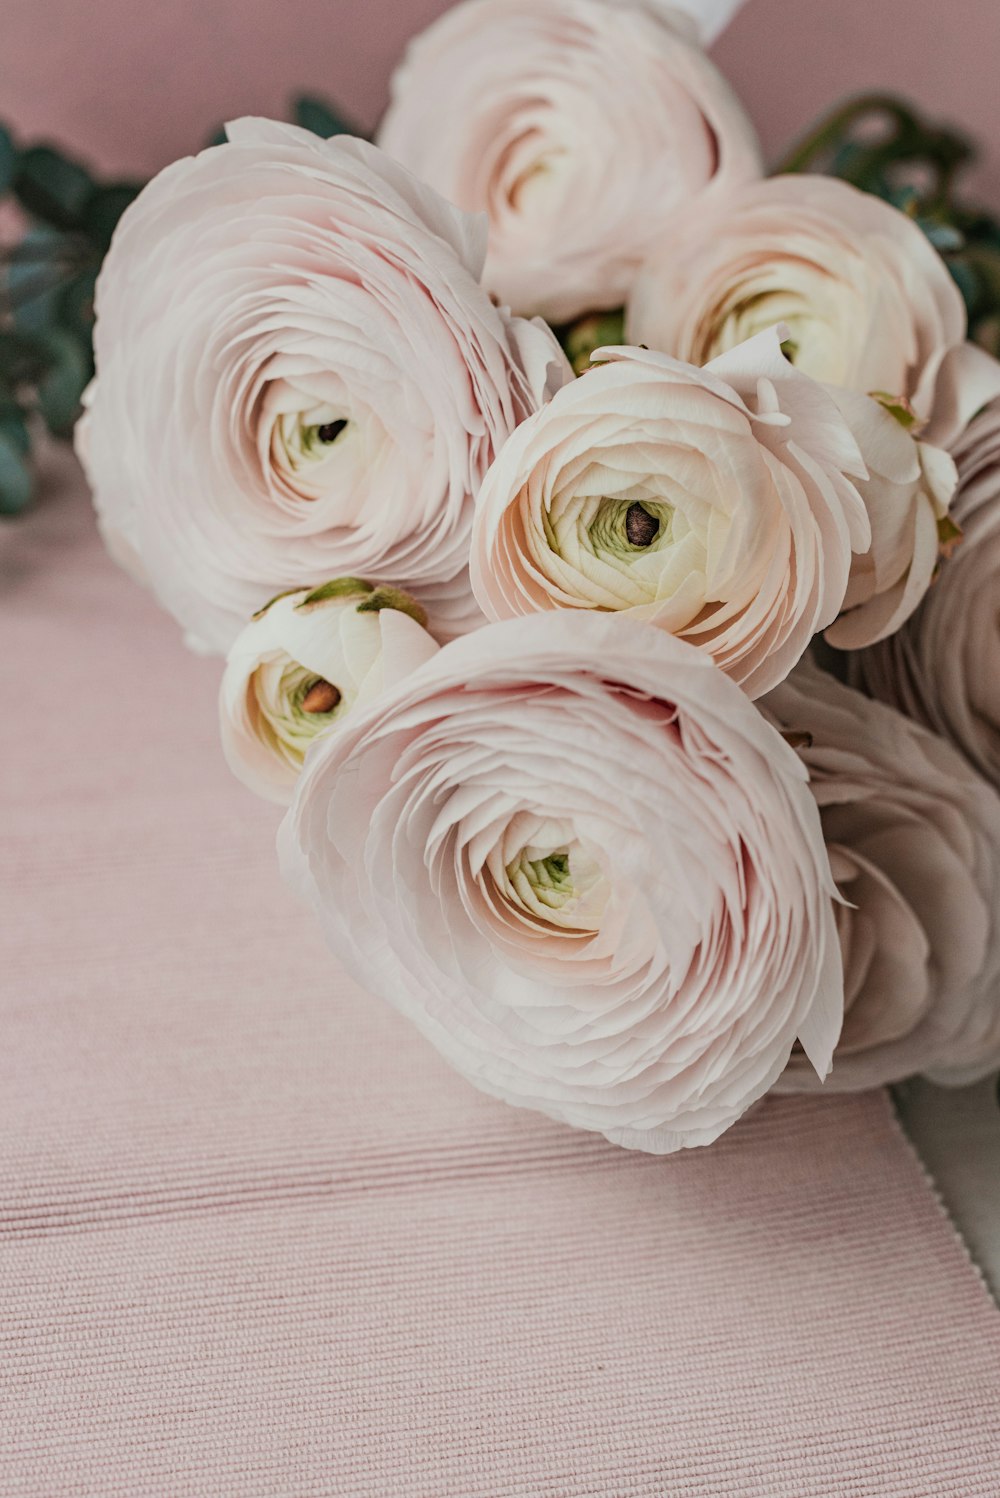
[909, 488]
[868, 302]
[302, 664]
[711, 502]
[578, 857]
[914, 840]
[299, 376]
[941, 668]
[583, 128]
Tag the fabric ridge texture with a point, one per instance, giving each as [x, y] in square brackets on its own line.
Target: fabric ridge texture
[257, 1241]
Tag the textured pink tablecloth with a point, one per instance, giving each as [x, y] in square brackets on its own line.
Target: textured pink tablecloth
[257, 1242]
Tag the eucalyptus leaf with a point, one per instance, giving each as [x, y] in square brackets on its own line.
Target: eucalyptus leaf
[53, 187]
[76, 304]
[23, 356]
[14, 427]
[8, 160]
[105, 208]
[63, 383]
[16, 482]
[34, 279]
[315, 115]
[945, 238]
[968, 284]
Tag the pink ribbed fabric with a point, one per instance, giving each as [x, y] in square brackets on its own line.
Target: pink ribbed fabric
[257, 1242]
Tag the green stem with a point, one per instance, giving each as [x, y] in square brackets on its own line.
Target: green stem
[830, 131]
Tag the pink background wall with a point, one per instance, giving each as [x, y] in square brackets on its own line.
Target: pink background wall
[133, 85]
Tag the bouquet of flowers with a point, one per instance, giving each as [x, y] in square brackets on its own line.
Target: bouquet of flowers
[602, 538]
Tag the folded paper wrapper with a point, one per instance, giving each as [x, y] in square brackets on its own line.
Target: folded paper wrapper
[258, 1240]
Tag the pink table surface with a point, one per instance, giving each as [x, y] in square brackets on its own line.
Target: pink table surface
[257, 1242]
[137, 85]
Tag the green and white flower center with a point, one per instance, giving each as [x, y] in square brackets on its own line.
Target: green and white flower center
[562, 886]
[634, 545]
[291, 705]
[623, 529]
[301, 440]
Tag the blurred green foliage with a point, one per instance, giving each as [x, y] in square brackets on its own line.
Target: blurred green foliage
[63, 220]
[883, 145]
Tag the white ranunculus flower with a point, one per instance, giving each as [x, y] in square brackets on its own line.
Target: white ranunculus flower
[302, 665]
[575, 854]
[581, 128]
[914, 840]
[868, 302]
[943, 667]
[716, 503]
[299, 376]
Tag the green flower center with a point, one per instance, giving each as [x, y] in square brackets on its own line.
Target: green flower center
[302, 439]
[557, 887]
[292, 705]
[625, 530]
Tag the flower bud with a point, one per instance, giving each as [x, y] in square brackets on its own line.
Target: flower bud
[302, 664]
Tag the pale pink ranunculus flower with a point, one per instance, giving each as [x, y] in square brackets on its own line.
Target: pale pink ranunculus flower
[914, 840]
[716, 503]
[582, 128]
[302, 665]
[574, 853]
[943, 667]
[868, 302]
[299, 375]
[907, 494]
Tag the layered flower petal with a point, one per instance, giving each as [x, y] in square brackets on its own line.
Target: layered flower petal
[868, 302]
[914, 840]
[299, 376]
[941, 667]
[578, 858]
[302, 665]
[715, 503]
[582, 128]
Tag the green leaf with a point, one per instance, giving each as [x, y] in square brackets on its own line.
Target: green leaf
[313, 114]
[53, 187]
[16, 483]
[63, 383]
[14, 427]
[76, 304]
[218, 137]
[34, 279]
[968, 284]
[8, 160]
[105, 208]
[23, 357]
[945, 238]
